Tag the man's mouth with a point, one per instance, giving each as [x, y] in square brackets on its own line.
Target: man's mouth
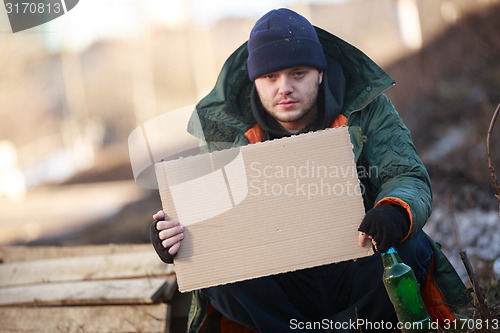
[287, 104]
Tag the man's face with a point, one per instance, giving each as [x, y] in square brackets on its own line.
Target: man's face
[290, 95]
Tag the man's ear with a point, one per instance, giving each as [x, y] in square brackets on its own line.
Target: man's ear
[320, 76]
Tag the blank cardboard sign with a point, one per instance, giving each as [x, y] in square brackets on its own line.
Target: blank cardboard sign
[264, 209]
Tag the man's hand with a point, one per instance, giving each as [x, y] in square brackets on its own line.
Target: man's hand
[166, 237]
[385, 225]
[362, 238]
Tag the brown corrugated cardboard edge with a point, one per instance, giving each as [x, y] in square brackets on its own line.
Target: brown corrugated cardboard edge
[269, 235]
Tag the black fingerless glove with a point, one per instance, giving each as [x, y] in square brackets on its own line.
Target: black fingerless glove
[387, 225]
[162, 252]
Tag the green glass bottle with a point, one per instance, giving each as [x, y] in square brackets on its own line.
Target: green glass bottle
[403, 290]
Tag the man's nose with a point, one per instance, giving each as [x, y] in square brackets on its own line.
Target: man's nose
[285, 86]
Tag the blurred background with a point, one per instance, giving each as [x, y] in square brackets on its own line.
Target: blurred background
[73, 89]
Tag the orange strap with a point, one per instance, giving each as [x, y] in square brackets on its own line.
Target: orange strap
[256, 133]
[341, 120]
[434, 300]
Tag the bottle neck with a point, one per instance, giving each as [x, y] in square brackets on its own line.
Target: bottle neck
[390, 258]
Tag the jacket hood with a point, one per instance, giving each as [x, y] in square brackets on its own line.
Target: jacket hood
[225, 113]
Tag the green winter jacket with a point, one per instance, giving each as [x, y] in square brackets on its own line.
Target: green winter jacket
[379, 138]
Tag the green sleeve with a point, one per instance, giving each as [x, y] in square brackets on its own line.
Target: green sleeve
[396, 171]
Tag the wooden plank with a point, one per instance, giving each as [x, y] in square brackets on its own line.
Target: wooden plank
[30, 253]
[111, 266]
[126, 291]
[96, 319]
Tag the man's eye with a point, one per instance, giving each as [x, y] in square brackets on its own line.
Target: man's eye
[299, 74]
[269, 76]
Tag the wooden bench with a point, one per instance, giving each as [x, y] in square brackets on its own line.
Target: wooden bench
[95, 288]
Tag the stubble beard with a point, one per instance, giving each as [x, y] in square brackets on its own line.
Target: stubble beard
[309, 102]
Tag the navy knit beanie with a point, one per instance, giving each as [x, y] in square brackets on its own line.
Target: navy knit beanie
[282, 39]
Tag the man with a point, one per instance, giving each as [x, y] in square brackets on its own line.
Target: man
[292, 78]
